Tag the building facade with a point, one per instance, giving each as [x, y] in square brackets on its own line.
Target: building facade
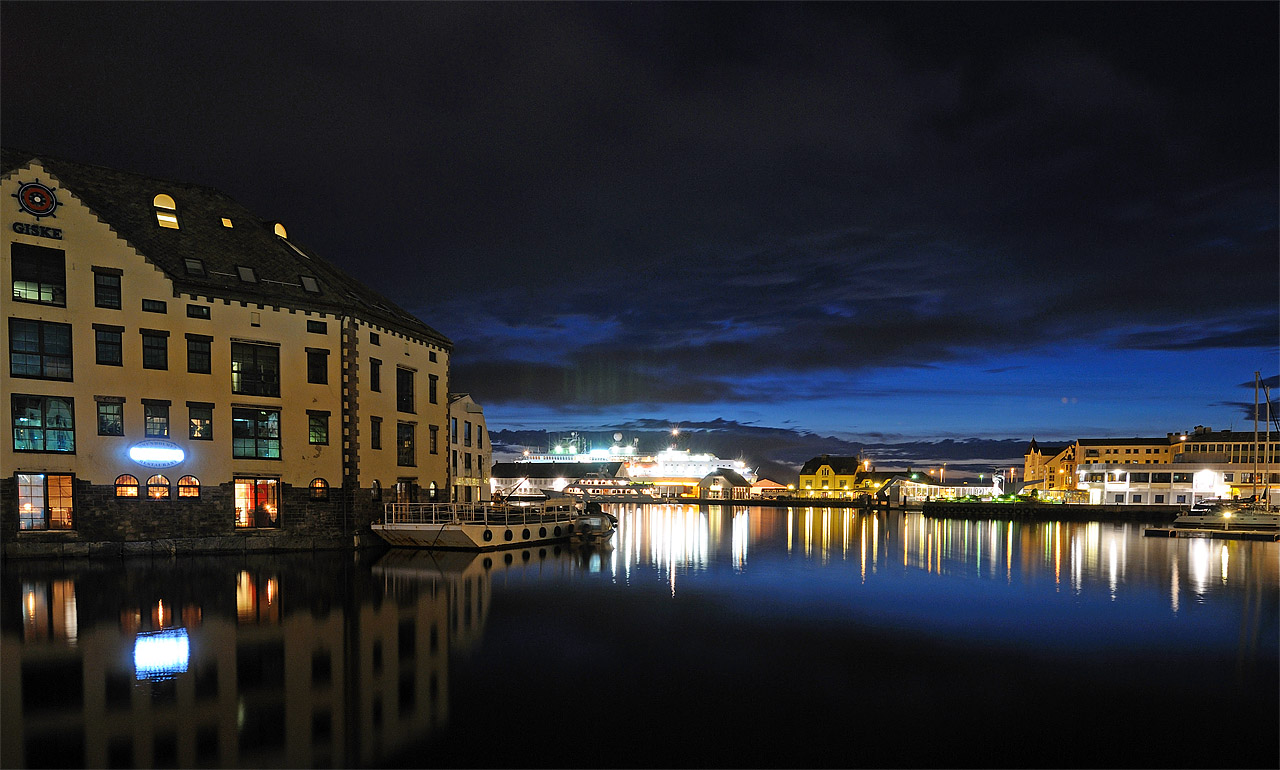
[469, 451]
[182, 373]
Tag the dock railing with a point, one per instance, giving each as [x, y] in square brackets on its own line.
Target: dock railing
[486, 513]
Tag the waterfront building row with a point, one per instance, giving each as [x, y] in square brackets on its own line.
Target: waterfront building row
[182, 369]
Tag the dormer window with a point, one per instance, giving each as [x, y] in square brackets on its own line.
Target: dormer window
[280, 231]
[309, 284]
[166, 211]
[246, 274]
[194, 267]
[226, 222]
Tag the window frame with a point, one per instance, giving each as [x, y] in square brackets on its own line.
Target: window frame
[105, 294]
[204, 409]
[42, 428]
[404, 390]
[114, 341]
[317, 428]
[259, 355]
[47, 360]
[34, 264]
[122, 483]
[185, 486]
[196, 357]
[47, 519]
[317, 366]
[155, 413]
[406, 451]
[263, 443]
[158, 487]
[155, 355]
[107, 406]
[246, 518]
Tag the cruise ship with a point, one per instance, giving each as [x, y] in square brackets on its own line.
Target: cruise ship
[671, 472]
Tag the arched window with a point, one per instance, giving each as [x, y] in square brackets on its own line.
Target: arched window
[158, 487]
[280, 231]
[431, 491]
[126, 485]
[319, 489]
[166, 211]
[188, 486]
[377, 491]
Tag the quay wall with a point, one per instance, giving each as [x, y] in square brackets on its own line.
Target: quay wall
[975, 510]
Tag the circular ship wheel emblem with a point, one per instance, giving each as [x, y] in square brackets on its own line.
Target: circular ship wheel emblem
[37, 199]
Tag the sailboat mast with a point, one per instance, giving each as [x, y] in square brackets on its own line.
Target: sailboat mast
[1256, 375]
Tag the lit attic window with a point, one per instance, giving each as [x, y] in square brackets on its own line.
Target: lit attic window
[226, 222]
[166, 211]
[280, 231]
[309, 284]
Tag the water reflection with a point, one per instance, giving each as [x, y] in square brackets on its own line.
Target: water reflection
[335, 660]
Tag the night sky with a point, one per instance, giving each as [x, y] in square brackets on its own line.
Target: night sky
[786, 228]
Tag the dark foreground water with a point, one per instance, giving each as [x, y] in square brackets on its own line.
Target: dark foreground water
[712, 637]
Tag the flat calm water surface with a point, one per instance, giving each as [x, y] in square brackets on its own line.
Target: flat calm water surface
[699, 637]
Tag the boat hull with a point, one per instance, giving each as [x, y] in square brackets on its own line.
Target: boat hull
[1240, 521]
[471, 537]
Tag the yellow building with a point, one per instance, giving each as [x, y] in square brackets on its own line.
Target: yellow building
[183, 372]
[1049, 468]
[469, 453]
[828, 476]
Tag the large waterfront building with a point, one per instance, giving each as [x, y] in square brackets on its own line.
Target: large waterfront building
[469, 450]
[185, 372]
[1177, 469]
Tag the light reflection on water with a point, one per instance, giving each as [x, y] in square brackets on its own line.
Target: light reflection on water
[342, 660]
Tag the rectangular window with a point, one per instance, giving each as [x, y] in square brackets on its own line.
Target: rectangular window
[255, 369]
[435, 439]
[317, 327]
[1136, 478]
[454, 464]
[1161, 478]
[404, 444]
[39, 274]
[1182, 499]
[479, 438]
[108, 345]
[199, 354]
[453, 430]
[1137, 498]
[255, 433]
[432, 383]
[43, 424]
[194, 267]
[156, 417]
[257, 502]
[198, 311]
[317, 366]
[466, 462]
[309, 284]
[431, 355]
[404, 390]
[246, 274]
[1159, 498]
[318, 427]
[200, 418]
[1229, 477]
[110, 418]
[375, 432]
[155, 306]
[155, 349]
[1120, 497]
[39, 349]
[466, 433]
[374, 339]
[1182, 478]
[106, 289]
[44, 500]
[375, 375]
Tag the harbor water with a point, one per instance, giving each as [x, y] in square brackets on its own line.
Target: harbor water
[701, 636]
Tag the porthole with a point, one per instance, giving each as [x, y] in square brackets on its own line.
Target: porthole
[507, 535]
[542, 531]
[525, 534]
[488, 535]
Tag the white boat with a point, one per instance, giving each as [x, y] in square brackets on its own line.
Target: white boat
[608, 489]
[478, 526]
[1245, 515]
[593, 526]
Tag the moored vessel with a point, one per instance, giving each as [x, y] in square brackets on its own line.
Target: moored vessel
[478, 526]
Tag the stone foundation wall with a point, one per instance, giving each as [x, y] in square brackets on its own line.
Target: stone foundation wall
[106, 525]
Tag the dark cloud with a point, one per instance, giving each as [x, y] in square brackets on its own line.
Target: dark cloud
[675, 203]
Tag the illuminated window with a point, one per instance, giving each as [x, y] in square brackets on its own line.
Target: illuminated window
[255, 433]
[39, 274]
[280, 231]
[376, 491]
[226, 222]
[156, 419]
[319, 489]
[166, 211]
[188, 486]
[158, 487]
[201, 421]
[126, 485]
[318, 427]
[255, 369]
[257, 502]
[404, 444]
[43, 424]
[44, 501]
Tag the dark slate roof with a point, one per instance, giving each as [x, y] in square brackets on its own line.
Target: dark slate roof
[1047, 450]
[124, 201]
[843, 466]
[570, 471]
[733, 477]
[1229, 436]
[1123, 441]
